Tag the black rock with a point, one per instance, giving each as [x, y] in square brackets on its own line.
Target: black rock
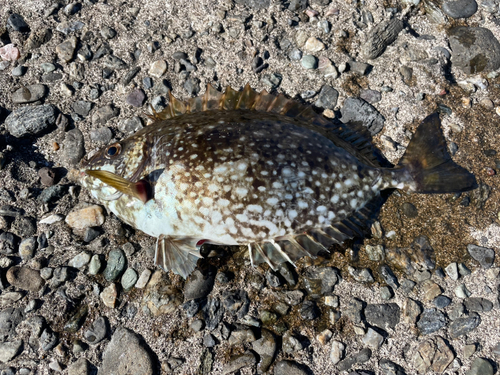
[200, 284]
[462, 326]
[483, 255]
[16, 22]
[309, 310]
[327, 97]
[441, 302]
[383, 316]
[460, 8]
[361, 357]
[287, 271]
[390, 368]
[52, 194]
[7, 243]
[236, 302]
[478, 304]
[273, 279]
[191, 307]
[213, 312]
[431, 320]
[358, 110]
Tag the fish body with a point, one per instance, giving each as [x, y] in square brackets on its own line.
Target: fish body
[252, 169]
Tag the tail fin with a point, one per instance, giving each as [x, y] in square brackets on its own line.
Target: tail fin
[429, 163]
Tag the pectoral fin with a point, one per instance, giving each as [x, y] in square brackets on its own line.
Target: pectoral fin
[177, 254]
[141, 189]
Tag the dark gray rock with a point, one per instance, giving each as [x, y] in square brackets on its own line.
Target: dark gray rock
[126, 353]
[30, 120]
[192, 86]
[389, 276]
[460, 8]
[23, 226]
[209, 341]
[7, 243]
[354, 309]
[478, 304]
[431, 320]
[116, 264]
[29, 94]
[73, 147]
[327, 97]
[309, 310]
[199, 284]
[287, 271]
[441, 302]
[212, 313]
[464, 325]
[381, 36]
[474, 49]
[485, 256]
[383, 316]
[25, 278]
[320, 281]
[357, 110]
[104, 114]
[48, 339]
[9, 350]
[79, 367]
[136, 98]
[360, 357]
[254, 4]
[236, 302]
[265, 347]
[289, 368]
[113, 62]
[481, 366]
[97, 331]
[239, 361]
[16, 22]
[390, 368]
[82, 107]
[9, 319]
[101, 135]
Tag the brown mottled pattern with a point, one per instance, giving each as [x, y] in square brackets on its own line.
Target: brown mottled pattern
[256, 174]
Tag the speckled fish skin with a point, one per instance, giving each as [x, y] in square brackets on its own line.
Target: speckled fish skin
[247, 177]
[236, 177]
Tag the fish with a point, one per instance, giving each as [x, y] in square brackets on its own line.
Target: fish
[257, 170]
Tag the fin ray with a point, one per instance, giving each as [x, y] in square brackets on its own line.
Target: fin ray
[178, 255]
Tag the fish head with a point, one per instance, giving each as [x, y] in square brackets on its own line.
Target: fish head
[124, 161]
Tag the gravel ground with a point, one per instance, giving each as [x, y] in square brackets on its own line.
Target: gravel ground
[79, 291]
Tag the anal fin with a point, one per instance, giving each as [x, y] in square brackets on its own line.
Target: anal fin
[178, 255]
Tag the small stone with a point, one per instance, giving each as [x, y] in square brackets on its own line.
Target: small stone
[192, 86]
[362, 275]
[464, 325]
[485, 256]
[460, 8]
[97, 331]
[410, 210]
[25, 278]
[9, 52]
[136, 98]
[80, 260]
[27, 248]
[327, 68]
[353, 310]
[16, 22]
[108, 32]
[430, 289]
[30, 120]
[481, 366]
[82, 107]
[469, 350]
[101, 135]
[386, 293]
[441, 302]
[109, 295]
[272, 80]
[372, 339]
[131, 125]
[288, 367]
[314, 45]
[29, 94]
[95, 265]
[309, 310]
[327, 97]
[238, 362]
[9, 350]
[114, 63]
[452, 271]
[359, 67]
[463, 270]
[265, 347]
[324, 337]
[432, 355]
[362, 356]
[143, 279]
[126, 353]
[104, 114]
[91, 216]
[48, 339]
[129, 279]
[461, 291]
[431, 321]
[79, 367]
[66, 49]
[359, 111]
[371, 96]
[337, 352]
[199, 284]
[309, 62]
[116, 264]
[158, 68]
[383, 316]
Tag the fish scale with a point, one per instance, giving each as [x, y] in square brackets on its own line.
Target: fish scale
[254, 169]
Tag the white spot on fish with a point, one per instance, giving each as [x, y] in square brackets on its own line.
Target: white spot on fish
[302, 204]
[277, 185]
[272, 201]
[292, 214]
[242, 218]
[321, 208]
[348, 182]
[335, 199]
[338, 185]
[254, 208]
[242, 192]
[194, 156]
[207, 201]
[353, 203]
[220, 169]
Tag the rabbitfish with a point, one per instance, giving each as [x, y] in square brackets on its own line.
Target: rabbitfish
[254, 169]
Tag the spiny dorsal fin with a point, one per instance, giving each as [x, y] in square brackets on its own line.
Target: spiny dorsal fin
[350, 136]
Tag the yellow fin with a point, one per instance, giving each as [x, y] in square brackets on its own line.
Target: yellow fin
[140, 189]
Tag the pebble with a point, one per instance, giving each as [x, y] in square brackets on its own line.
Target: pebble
[239, 361]
[372, 339]
[474, 58]
[430, 290]
[143, 279]
[432, 355]
[9, 52]
[97, 331]
[380, 37]
[126, 353]
[383, 316]
[19, 71]
[337, 352]
[82, 107]
[115, 265]
[288, 367]
[25, 278]
[452, 271]
[73, 151]
[27, 248]
[9, 350]
[158, 68]
[80, 260]
[265, 347]
[327, 97]
[66, 49]
[30, 120]
[95, 265]
[91, 216]
[309, 62]
[309, 310]
[359, 111]
[109, 295]
[358, 67]
[430, 321]
[362, 275]
[129, 279]
[101, 135]
[327, 68]
[441, 302]
[107, 32]
[313, 45]
[461, 291]
[353, 310]
[460, 8]
[136, 98]
[485, 256]
[48, 339]
[113, 62]
[362, 356]
[80, 367]
[324, 336]
[481, 366]
[16, 22]
[464, 325]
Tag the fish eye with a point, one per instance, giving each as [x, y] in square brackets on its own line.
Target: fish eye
[113, 150]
